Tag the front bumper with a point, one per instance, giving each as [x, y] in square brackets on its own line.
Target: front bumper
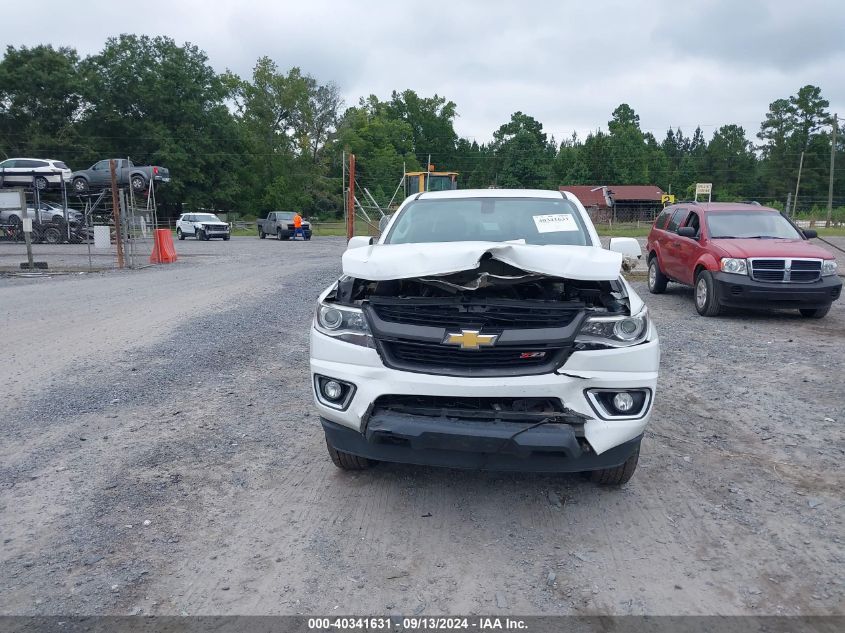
[621, 368]
[744, 292]
[499, 446]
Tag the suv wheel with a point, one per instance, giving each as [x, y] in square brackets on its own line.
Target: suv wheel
[179, 234]
[347, 461]
[80, 185]
[656, 279]
[200, 234]
[261, 234]
[279, 234]
[814, 313]
[41, 183]
[706, 301]
[618, 475]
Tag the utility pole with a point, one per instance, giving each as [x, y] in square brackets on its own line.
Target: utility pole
[798, 184]
[115, 208]
[789, 204]
[350, 201]
[830, 184]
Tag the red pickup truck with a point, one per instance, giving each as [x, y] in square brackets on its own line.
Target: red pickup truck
[740, 255]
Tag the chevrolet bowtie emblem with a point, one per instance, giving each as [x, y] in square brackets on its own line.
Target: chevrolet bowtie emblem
[471, 339]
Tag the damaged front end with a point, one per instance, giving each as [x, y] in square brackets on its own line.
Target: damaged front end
[493, 320]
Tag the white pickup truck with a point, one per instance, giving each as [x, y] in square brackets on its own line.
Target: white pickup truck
[486, 329]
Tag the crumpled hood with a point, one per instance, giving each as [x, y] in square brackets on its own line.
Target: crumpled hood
[381, 262]
[756, 247]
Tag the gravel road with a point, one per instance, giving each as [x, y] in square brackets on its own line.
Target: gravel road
[161, 455]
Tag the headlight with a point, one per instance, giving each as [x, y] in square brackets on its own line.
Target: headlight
[828, 267]
[345, 323]
[616, 330]
[736, 266]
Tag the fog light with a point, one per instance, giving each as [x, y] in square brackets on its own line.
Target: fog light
[332, 390]
[623, 402]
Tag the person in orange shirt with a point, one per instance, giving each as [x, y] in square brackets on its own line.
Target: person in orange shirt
[297, 226]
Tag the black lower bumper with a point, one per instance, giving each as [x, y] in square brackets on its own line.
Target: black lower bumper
[744, 292]
[498, 446]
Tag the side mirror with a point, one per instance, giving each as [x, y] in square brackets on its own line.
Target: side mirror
[359, 241]
[810, 233]
[687, 231]
[382, 224]
[626, 246]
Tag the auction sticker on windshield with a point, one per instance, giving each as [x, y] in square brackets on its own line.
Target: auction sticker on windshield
[555, 223]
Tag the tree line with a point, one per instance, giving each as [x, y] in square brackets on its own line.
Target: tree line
[276, 139]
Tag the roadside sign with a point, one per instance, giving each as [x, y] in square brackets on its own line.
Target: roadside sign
[703, 189]
[667, 198]
[27, 225]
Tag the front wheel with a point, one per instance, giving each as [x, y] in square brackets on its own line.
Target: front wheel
[656, 279]
[200, 234]
[619, 475]
[814, 313]
[347, 461]
[225, 238]
[80, 185]
[261, 234]
[279, 234]
[706, 301]
[41, 183]
[179, 234]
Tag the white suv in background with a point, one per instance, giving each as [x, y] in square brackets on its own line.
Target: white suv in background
[44, 173]
[202, 226]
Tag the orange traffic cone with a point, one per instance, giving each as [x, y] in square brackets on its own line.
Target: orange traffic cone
[164, 252]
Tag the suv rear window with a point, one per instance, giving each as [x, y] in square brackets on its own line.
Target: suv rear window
[675, 222]
[660, 221]
[59, 165]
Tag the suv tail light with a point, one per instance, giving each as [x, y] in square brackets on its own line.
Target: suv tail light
[155, 170]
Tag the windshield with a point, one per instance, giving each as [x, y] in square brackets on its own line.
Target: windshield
[206, 217]
[739, 224]
[532, 220]
[284, 216]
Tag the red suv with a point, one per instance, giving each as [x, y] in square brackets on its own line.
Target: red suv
[740, 255]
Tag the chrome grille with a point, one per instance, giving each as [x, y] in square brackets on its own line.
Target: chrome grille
[787, 270]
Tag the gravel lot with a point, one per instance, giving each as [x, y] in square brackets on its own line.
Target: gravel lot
[161, 456]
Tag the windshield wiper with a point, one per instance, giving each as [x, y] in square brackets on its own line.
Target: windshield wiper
[724, 237]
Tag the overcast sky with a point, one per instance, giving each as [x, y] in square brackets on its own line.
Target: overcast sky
[568, 64]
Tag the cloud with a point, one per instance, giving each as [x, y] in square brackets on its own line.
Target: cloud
[568, 64]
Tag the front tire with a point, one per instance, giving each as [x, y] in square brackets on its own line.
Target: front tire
[619, 475]
[200, 234]
[41, 183]
[706, 301]
[179, 234]
[261, 234]
[815, 313]
[279, 234]
[347, 461]
[656, 279]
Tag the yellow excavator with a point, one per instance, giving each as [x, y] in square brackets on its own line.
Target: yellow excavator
[431, 180]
